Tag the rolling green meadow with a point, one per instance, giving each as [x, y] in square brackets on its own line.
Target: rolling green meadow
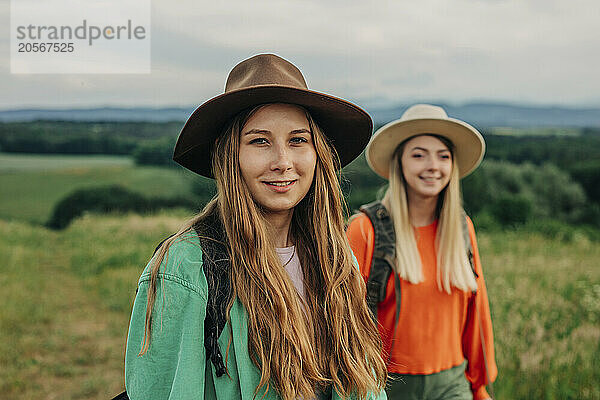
[68, 294]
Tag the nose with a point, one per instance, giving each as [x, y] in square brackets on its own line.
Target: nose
[432, 164]
[281, 158]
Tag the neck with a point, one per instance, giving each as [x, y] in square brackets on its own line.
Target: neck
[421, 210]
[280, 225]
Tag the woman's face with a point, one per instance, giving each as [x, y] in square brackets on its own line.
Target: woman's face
[426, 165]
[277, 156]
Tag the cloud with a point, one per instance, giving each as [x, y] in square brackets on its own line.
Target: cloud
[534, 51]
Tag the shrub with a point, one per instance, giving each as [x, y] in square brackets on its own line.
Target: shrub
[511, 210]
[556, 195]
[155, 152]
[588, 175]
[108, 199]
[485, 222]
[549, 190]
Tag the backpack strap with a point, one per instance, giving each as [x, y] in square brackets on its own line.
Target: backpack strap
[384, 254]
[121, 396]
[216, 266]
[382, 264]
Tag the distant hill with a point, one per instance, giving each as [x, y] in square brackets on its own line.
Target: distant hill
[482, 115]
[487, 115]
[136, 114]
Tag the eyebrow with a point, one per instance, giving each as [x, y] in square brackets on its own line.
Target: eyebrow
[426, 150]
[302, 130]
[257, 131]
[265, 131]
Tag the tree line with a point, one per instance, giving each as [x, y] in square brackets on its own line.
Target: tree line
[72, 137]
[523, 178]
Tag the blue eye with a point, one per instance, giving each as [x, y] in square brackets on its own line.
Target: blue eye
[298, 139]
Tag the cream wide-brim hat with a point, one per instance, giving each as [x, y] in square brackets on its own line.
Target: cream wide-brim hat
[423, 119]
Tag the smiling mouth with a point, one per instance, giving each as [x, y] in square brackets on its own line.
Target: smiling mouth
[280, 183]
[429, 179]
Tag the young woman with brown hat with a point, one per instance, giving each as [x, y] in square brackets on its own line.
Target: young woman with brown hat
[417, 252]
[258, 296]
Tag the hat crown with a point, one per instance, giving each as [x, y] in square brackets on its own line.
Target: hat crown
[264, 69]
[424, 111]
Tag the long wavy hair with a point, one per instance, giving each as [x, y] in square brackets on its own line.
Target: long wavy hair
[453, 265]
[299, 347]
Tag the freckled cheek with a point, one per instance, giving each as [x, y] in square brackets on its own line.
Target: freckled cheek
[251, 164]
[306, 162]
[311, 166]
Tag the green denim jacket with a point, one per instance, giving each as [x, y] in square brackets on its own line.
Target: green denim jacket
[175, 366]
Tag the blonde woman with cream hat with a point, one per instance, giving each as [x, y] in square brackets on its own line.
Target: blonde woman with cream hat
[417, 252]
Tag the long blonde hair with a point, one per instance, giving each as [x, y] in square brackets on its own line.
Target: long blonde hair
[453, 268]
[334, 341]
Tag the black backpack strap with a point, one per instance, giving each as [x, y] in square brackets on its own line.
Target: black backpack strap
[121, 396]
[384, 254]
[382, 265]
[216, 266]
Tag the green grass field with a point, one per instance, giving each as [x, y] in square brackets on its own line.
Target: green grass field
[30, 185]
[68, 294]
[67, 298]
[45, 162]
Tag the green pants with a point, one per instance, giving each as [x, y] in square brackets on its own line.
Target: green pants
[450, 384]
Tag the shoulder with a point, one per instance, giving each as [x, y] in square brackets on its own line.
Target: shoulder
[361, 237]
[470, 227]
[360, 224]
[182, 264]
[173, 366]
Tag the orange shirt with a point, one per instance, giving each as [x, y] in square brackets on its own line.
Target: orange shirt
[436, 331]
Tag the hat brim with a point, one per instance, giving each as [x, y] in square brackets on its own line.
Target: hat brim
[469, 145]
[346, 125]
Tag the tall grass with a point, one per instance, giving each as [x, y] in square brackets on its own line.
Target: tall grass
[545, 299]
[65, 304]
[67, 297]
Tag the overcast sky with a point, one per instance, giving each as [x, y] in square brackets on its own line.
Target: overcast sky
[379, 52]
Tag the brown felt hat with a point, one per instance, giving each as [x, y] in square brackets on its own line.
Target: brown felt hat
[422, 119]
[262, 79]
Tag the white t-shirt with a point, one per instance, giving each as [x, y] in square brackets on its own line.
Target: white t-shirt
[291, 263]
